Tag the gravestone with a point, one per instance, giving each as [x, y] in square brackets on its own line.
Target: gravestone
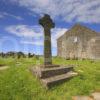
[48, 73]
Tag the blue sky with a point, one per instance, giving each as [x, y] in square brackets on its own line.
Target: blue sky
[19, 28]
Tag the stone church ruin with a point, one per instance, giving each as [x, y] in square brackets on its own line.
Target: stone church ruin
[79, 42]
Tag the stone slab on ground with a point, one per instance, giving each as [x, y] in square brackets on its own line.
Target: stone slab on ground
[96, 95]
[3, 67]
[82, 98]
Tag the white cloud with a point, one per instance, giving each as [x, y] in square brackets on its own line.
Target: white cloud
[24, 30]
[56, 33]
[59, 32]
[16, 17]
[36, 32]
[79, 10]
[37, 43]
[5, 14]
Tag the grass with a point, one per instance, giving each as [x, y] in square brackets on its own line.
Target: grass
[17, 83]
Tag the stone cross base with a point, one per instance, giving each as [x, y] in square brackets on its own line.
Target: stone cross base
[53, 75]
[48, 66]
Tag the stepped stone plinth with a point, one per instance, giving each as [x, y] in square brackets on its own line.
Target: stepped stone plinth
[52, 76]
[49, 66]
[48, 73]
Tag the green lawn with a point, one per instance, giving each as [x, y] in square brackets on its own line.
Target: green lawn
[18, 83]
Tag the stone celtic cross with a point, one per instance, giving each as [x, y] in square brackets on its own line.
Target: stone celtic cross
[51, 74]
[47, 24]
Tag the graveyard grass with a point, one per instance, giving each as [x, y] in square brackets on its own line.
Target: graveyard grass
[18, 83]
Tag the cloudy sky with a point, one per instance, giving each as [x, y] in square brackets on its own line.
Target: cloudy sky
[19, 28]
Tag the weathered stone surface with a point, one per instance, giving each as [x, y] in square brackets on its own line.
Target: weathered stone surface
[82, 98]
[49, 66]
[94, 48]
[96, 95]
[50, 72]
[53, 75]
[76, 44]
[51, 81]
[47, 24]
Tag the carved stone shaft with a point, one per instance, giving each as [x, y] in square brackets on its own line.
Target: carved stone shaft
[47, 47]
[47, 24]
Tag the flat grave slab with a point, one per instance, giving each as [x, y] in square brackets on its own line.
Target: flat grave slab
[3, 67]
[82, 98]
[96, 95]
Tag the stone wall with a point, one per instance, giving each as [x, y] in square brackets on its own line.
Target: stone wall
[74, 44]
[94, 48]
[59, 47]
